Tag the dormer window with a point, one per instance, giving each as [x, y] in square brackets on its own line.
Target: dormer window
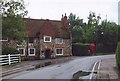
[47, 38]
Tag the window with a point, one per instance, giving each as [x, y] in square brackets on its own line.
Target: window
[31, 40]
[4, 39]
[21, 51]
[58, 40]
[59, 51]
[47, 38]
[31, 51]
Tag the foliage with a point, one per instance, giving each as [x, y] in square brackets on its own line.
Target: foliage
[118, 32]
[104, 34]
[8, 50]
[93, 20]
[76, 26]
[13, 13]
[13, 31]
[80, 49]
[89, 36]
[13, 8]
[82, 31]
[77, 34]
[110, 30]
[74, 21]
[118, 55]
[92, 27]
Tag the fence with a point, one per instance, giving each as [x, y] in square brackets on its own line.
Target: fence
[9, 59]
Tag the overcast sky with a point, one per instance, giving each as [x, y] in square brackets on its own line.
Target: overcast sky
[53, 9]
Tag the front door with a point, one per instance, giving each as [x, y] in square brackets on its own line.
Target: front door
[47, 54]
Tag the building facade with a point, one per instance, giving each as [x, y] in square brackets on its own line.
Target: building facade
[45, 39]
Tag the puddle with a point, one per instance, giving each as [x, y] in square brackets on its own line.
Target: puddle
[80, 74]
[47, 63]
[40, 65]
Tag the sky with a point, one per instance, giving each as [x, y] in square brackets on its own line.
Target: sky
[53, 9]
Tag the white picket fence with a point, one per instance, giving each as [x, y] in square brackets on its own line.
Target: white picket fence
[10, 59]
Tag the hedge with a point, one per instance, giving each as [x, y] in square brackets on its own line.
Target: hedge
[80, 49]
[8, 50]
[118, 55]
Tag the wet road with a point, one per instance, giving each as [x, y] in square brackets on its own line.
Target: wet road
[63, 70]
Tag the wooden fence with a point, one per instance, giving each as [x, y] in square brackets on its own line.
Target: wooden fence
[10, 59]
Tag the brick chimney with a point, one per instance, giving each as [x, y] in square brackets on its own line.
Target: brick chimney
[64, 20]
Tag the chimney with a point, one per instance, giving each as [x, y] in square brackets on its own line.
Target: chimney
[64, 20]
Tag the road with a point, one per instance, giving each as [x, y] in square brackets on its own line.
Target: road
[63, 70]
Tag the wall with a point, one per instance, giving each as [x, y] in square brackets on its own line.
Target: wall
[52, 45]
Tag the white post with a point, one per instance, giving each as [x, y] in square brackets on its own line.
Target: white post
[9, 59]
[19, 58]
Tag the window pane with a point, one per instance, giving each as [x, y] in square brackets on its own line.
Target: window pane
[59, 51]
[21, 51]
[31, 51]
[58, 40]
[47, 38]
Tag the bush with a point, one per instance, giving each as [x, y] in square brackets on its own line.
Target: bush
[9, 50]
[118, 55]
[80, 49]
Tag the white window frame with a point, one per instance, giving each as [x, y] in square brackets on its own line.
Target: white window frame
[56, 51]
[49, 37]
[58, 42]
[23, 51]
[6, 39]
[29, 52]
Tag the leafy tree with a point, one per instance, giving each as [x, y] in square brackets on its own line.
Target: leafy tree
[93, 20]
[76, 26]
[89, 35]
[110, 30]
[75, 21]
[91, 28]
[13, 13]
[118, 32]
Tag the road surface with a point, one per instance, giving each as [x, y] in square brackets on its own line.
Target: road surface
[61, 71]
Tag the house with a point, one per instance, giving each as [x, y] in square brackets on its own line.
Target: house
[46, 39]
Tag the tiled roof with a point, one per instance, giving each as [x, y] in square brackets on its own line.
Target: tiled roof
[52, 28]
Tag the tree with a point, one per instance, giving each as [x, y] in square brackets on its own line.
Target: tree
[74, 21]
[92, 27]
[110, 30]
[118, 32]
[76, 27]
[13, 13]
[93, 20]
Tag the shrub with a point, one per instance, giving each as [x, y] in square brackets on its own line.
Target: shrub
[9, 50]
[118, 55]
[80, 49]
